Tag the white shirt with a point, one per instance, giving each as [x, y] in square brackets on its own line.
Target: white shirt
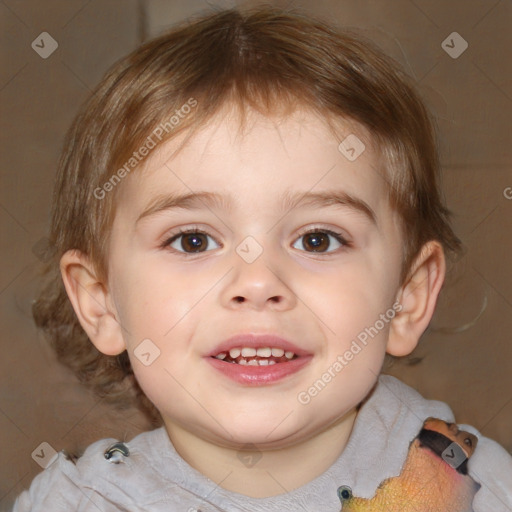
[154, 478]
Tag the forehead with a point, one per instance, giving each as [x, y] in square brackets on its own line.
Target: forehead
[276, 155]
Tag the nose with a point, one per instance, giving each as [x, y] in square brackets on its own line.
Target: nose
[258, 285]
[453, 428]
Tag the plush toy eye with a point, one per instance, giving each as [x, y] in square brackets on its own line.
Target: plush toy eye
[344, 493]
[468, 442]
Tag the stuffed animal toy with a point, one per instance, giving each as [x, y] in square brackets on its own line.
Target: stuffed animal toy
[434, 477]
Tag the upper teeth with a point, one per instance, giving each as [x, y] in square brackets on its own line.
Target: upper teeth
[252, 352]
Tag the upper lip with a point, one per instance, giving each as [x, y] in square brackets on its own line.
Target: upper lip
[257, 341]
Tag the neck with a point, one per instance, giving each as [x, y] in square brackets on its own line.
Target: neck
[261, 474]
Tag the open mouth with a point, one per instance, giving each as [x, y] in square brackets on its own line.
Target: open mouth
[264, 356]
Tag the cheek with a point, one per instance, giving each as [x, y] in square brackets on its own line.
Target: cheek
[169, 382]
[351, 298]
[150, 297]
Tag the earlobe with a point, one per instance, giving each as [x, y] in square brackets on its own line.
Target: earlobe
[418, 298]
[89, 298]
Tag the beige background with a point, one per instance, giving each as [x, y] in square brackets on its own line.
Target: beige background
[467, 350]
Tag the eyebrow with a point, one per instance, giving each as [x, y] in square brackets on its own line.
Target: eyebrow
[289, 201]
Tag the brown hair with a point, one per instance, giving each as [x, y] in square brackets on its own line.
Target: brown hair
[264, 59]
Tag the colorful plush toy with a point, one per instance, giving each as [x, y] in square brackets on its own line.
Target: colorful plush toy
[433, 479]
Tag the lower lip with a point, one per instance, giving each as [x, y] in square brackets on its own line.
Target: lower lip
[259, 375]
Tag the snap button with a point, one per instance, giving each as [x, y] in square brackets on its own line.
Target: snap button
[116, 453]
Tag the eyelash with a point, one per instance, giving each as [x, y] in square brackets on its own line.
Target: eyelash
[338, 236]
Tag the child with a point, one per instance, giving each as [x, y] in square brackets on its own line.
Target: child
[247, 218]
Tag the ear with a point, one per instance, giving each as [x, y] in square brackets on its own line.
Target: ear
[418, 297]
[91, 302]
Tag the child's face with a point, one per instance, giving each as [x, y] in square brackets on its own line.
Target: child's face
[188, 303]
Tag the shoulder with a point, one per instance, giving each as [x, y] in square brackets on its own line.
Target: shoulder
[85, 483]
[57, 488]
[490, 465]
[387, 422]
[398, 405]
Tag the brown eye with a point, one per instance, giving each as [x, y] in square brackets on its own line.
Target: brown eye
[190, 242]
[320, 241]
[468, 442]
[196, 242]
[317, 242]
